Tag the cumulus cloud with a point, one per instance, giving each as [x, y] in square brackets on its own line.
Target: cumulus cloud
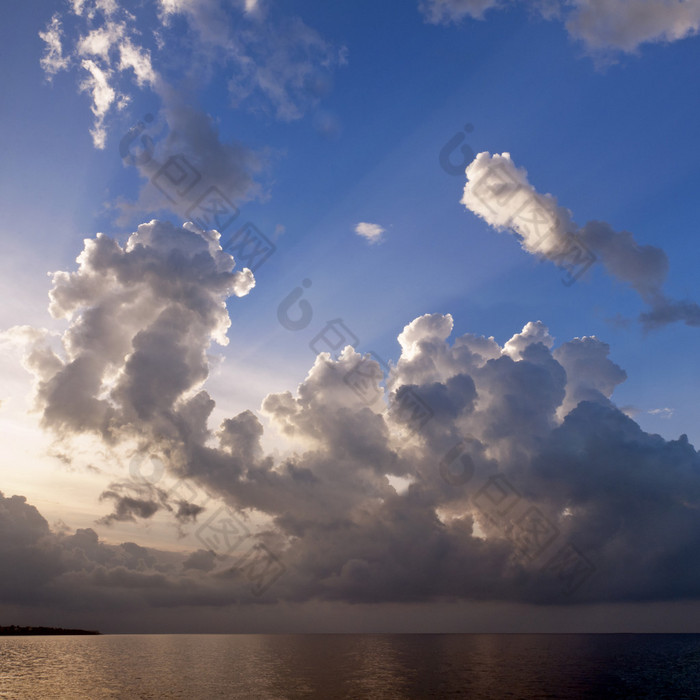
[370, 232]
[142, 317]
[529, 420]
[77, 572]
[602, 26]
[500, 193]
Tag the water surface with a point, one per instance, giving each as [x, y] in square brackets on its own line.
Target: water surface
[350, 666]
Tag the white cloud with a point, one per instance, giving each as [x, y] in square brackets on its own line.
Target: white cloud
[370, 232]
[662, 412]
[103, 97]
[96, 51]
[500, 193]
[602, 26]
[53, 59]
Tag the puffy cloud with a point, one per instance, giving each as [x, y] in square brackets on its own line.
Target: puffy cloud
[500, 193]
[142, 318]
[78, 572]
[526, 422]
[591, 375]
[601, 25]
[370, 232]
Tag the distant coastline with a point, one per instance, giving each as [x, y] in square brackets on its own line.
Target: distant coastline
[16, 631]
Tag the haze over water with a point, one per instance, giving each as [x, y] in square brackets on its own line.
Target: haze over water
[350, 666]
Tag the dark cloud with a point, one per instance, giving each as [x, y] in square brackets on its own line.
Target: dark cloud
[534, 426]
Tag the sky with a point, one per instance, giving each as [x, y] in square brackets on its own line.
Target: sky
[350, 316]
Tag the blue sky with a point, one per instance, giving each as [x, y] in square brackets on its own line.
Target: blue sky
[608, 131]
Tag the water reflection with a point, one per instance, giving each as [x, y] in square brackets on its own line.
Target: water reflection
[349, 666]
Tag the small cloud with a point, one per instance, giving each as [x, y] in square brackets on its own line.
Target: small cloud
[662, 412]
[372, 232]
[630, 411]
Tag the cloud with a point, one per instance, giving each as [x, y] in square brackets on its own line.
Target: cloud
[500, 193]
[439, 11]
[536, 419]
[141, 499]
[662, 412]
[103, 96]
[602, 26]
[53, 59]
[370, 232]
[107, 48]
[626, 24]
[277, 65]
[281, 65]
[142, 318]
[76, 573]
[200, 161]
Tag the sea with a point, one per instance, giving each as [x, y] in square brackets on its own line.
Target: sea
[351, 666]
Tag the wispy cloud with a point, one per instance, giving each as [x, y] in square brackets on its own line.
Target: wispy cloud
[602, 26]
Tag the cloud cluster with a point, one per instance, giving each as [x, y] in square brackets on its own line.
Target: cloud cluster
[278, 65]
[76, 572]
[601, 25]
[500, 193]
[515, 458]
[141, 317]
[108, 48]
[275, 64]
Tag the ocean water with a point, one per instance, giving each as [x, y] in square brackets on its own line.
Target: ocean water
[351, 666]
